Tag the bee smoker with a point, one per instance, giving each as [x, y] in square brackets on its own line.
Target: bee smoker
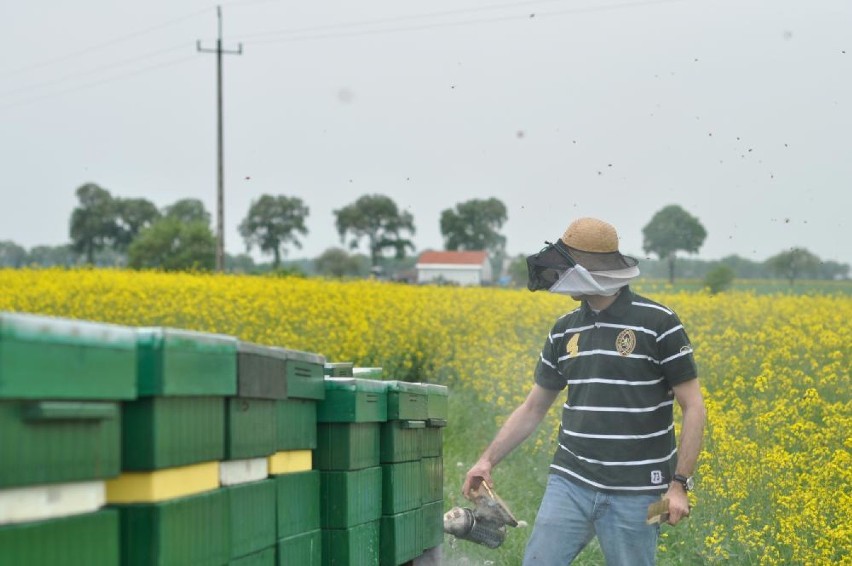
[485, 524]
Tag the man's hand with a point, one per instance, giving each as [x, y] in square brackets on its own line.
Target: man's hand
[678, 503]
[481, 471]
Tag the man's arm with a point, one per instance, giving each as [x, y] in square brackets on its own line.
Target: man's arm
[517, 428]
[688, 396]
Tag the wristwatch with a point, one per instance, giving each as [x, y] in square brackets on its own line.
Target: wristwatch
[686, 482]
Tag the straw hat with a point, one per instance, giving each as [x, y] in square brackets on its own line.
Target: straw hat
[593, 244]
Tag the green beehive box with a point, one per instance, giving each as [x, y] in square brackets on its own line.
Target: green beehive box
[58, 441]
[81, 540]
[304, 372]
[181, 362]
[432, 442]
[261, 372]
[407, 401]
[186, 530]
[296, 424]
[437, 406]
[433, 524]
[338, 369]
[250, 427]
[433, 479]
[165, 432]
[402, 487]
[350, 498]
[347, 446]
[252, 517]
[401, 537]
[297, 500]
[350, 400]
[43, 357]
[355, 546]
[265, 557]
[305, 549]
[401, 441]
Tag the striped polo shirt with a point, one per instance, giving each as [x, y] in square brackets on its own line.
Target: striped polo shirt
[617, 431]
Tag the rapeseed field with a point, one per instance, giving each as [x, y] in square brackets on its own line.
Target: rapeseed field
[774, 484]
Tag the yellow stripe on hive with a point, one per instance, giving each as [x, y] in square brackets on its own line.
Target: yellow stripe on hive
[162, 485]
[290, 461]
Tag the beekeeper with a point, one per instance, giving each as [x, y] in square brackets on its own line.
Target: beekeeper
[625, 361]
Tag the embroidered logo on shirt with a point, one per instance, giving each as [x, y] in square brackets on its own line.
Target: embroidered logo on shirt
[573, 346]
[656, 477]
[625, 342]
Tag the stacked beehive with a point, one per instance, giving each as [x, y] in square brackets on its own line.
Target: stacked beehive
[61, 384]
[379, 452]
[251, 420]
[297, 484]
[432, 461]
[159, 446]
[412, 470]
[348, 428]
[173, 438]
[402, 473]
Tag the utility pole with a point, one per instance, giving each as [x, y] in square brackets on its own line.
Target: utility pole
[220, 180]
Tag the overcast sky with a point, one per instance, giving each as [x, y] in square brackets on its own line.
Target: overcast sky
[740, 111]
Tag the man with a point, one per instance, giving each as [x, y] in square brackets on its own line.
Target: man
[625, 360]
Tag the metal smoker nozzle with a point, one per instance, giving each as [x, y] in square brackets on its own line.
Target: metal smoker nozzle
[484, 524]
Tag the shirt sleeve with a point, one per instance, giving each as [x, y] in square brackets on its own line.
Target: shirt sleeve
[675, 350]
[546, 373]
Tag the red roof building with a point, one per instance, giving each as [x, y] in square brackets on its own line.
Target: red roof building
[461, 268]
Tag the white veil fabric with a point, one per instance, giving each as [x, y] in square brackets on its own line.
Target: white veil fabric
[580, 281]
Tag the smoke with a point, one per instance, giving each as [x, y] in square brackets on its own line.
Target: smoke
[459, 558]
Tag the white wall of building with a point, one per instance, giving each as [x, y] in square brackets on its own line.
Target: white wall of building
[459, 274]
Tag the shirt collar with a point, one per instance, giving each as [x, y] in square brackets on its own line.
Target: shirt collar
[617, 309]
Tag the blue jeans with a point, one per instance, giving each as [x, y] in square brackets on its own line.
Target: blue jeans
[571, 515]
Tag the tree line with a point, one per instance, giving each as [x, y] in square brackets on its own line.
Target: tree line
[109, 230]
[374, 232]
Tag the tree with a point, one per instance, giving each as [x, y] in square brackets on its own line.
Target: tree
[173, 245]
[744, 268]
[833, 270]
[377, 219]
[188, 210]
[794, 264]
[672, 229]
[272, 223]
[518, 271]
[337, 263]
[719, 278]
[240, 263]
[11, 254]
[474, 225]
[131, 216]
[48, 256]
[93, 224]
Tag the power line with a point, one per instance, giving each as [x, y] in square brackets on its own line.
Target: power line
[92, 71]
[100, 82]
[293, 32]
[429, 15]
[612, 7]
[99, 46]
[395, 19]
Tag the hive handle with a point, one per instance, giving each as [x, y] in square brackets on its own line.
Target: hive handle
[69, 410]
